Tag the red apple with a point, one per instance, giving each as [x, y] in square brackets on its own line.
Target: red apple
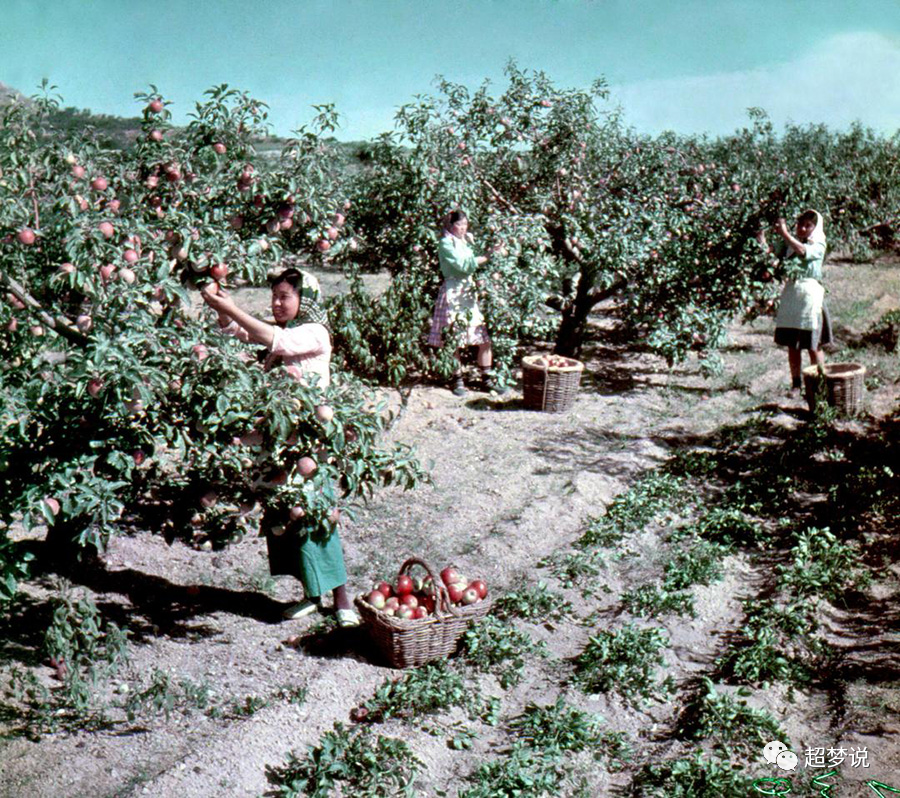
[12, 325]
[99, 183]
[36, 330]
[220, 148]
[404, 585]
[78, 171]
[323, 245]
[409, 600]
[94, 387]
[155, 106]
[130, 256]
[385, 587]
[324, 413]
[405, 612]
[200, 351]
[273, 226]
[332, 233]
[156, 135]
[107, 272]
[377, 599]
[152, 182]
[449, 575]
[455, 592]
[53, 504]
[470, 596]
[287, 224]
[297, 512]
[106, 229]
[218, 271]
[392, 603]
[127, 275]
[480, 587]
[138, 456]
[306, 466]
[208, 500]
[334, 516]
[237, 222]
[339, 220]
[420, 612]
[26, 236]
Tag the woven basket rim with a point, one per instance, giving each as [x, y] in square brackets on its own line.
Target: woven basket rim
[527, 363]
[837, 370]
[408, 623]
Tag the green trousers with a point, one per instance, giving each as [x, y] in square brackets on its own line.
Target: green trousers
[318, 562]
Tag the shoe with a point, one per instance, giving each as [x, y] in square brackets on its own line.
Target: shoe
[459, 387]
[301, 610]
[347, 619]
[491, 385]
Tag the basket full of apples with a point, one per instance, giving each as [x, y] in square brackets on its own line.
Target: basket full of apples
[550, 382]
[419, 619]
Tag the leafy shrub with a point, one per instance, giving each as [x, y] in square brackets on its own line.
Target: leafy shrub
[699, 564]
[347, 762]
[623, 661]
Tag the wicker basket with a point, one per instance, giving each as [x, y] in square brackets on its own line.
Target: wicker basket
[550, 388]
[408, 643]
[843, 386]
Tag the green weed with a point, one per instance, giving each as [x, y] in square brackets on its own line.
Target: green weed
[495, 646]
[690, 777]
[523, 773]
[623, 661]
[728, 722]
[347, 762]
[533, 603]
[699, 564]
[823, 565]
[431, 688]
[561, 728]
[634, 509]
[653, 600]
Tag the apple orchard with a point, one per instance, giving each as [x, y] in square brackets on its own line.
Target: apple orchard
[122, 409]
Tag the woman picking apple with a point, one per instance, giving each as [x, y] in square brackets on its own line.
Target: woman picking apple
[802, 321]
[299, 340]
[456, 301]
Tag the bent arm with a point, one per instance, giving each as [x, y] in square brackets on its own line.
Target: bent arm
[453, 263]
[257, 331]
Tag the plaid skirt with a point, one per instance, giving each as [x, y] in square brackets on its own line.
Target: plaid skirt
[456, 305]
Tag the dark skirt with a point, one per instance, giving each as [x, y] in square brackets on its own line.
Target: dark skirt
[793, 338]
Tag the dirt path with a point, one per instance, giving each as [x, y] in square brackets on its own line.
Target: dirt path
[510, 487]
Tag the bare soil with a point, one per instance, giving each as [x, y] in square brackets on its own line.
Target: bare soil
[510, 487]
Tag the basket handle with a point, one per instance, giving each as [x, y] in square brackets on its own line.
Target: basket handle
[442, 603]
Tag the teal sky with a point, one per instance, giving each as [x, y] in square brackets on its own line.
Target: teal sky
[688, 65]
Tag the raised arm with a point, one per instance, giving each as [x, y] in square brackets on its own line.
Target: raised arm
[257, 331]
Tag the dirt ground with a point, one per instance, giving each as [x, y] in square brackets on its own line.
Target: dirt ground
[510, 486]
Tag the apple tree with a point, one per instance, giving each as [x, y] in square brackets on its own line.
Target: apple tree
[123, 405]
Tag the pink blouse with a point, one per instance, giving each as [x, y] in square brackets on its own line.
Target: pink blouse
[304, 349]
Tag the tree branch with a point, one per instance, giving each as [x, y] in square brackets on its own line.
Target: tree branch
[59, 324]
